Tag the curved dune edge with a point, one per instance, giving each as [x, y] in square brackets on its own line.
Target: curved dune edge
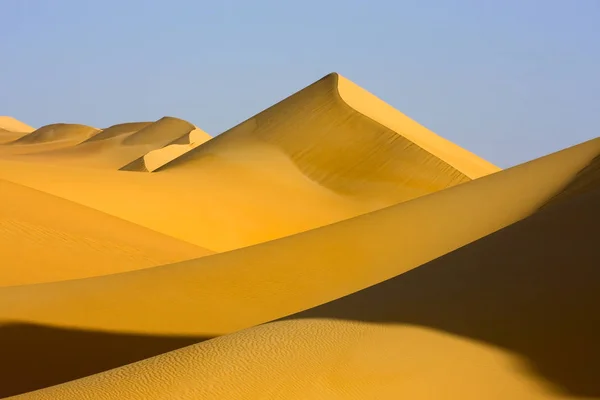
[157, 158]
[58, 132]
[511, 315]
[117, 130]
[44, 238]
[14, 125]
[373, 107]
[235, 290]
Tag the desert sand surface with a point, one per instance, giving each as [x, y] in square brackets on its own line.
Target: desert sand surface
[512, 315]
[327, 248]
[44, 238]
[270, 280]
[308, 161]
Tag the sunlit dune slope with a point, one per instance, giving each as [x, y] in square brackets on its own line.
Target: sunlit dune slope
[308, 161]
[12, 129]
[13, 125]
[44, 238]
[118, 145]
[511, 316]
[176, 304]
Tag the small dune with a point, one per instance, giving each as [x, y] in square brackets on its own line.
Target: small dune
[72, 133]
[157, 158]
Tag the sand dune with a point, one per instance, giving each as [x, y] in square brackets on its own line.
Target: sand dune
[13, 125]
[112, 147]
[44, 238]
[231, 291]
[512, 315]
[157, 158]
[308, 161]
[47, 138]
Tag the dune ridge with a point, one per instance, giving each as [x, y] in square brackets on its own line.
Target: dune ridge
[268, 281]
[58, 132]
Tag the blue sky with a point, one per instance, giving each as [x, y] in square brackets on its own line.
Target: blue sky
[510, 80]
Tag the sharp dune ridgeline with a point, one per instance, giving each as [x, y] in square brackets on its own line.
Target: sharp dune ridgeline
[327, 248]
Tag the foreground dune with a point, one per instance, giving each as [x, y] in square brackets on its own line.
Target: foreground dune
[44, 238]
[330, 152]
[111, 148]
[511, 316]
[142, 313]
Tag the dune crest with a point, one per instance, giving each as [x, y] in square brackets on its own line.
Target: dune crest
[74, 133]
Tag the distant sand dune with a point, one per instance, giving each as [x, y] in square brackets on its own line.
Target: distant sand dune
[112, 147]
[271, 280]
[44, 238]
[75, 133]
[14, 125]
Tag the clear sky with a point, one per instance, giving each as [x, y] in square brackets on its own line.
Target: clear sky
[510, 80]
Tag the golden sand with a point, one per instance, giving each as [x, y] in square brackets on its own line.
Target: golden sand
[370, 258]
[308, 161]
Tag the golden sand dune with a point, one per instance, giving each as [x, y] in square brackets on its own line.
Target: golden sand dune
[44, 238]
[117, 145]
[327, 153]
[48, 137]
[157, 158]
[12, 129]
[13, 125]
[181, 303]
[511, 316]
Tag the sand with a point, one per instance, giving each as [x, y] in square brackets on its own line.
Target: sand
[484, 321]
[44, 238]
[359, 255]
[110, 148]
[268, 281]
[308, 161]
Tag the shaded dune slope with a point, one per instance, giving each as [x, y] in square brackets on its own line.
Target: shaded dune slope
[512, 315]
[44, 238]
[235, 290]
